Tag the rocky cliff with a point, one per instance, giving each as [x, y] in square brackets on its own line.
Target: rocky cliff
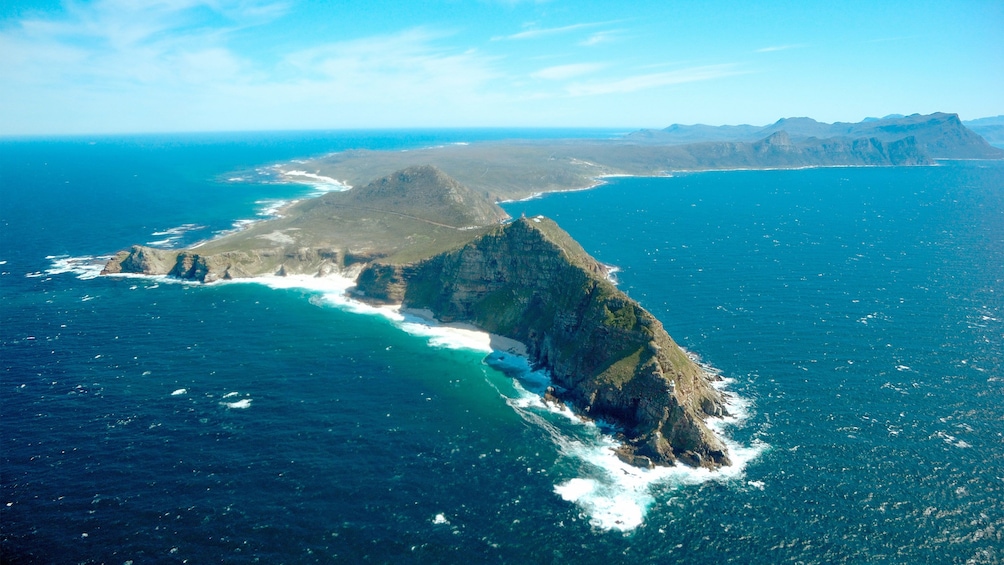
[411, 214]
[609, 358]
[933, 136]
[778, 150]
[423, 240]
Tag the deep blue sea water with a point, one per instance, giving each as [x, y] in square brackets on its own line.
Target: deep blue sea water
[859, 313]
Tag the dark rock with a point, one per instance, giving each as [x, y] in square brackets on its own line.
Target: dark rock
[612, 360]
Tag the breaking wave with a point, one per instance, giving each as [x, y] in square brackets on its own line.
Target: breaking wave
[613, 495]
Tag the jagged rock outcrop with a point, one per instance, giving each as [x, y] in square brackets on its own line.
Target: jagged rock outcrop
[141, 260]
[778, 150]
[413, 213]
[610, 358]
[225, 265]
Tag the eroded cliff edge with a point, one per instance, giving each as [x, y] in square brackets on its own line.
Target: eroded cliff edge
[608, 356]
[526, 279]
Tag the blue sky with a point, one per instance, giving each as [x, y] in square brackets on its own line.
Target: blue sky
[112, 66]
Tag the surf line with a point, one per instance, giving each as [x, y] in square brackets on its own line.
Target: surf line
[611, 494]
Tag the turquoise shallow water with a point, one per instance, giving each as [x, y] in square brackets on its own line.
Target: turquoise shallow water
[859, 312]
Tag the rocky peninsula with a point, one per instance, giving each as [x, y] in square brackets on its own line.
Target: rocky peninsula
[420, 239]
[516, 169]
[424, 239]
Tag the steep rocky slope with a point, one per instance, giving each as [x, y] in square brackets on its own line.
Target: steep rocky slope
[935, 136]
[610, 358]
[509, 170]
[408, 215]
[527, 280]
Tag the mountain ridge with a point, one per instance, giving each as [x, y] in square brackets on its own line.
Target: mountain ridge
[940, 135]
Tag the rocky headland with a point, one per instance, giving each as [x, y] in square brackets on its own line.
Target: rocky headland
[511, 170]
[437, 242]
[608, 357]
[420, 239]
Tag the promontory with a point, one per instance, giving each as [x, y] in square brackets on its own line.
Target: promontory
[420, 239]
[437, 241]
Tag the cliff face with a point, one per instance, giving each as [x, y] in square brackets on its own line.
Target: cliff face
[527, 280]
[933, 136]
[412, 214]
[226, 265]
[778, 150]
[610, 358]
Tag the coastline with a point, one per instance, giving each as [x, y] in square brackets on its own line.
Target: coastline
[498, 343]
[615, 494]
[669, 173]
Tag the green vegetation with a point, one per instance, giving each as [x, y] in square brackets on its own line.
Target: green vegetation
[622, 370]
[419, 238]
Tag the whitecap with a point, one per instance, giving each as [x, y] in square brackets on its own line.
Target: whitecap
[611, 493]
[180, 230]
[334, 291]
[611, 274]
[85, 266]
[238, 405]
[614, 495]
[320, 183]
[174, 235]
[952, 440]
[271, 208]
[618, 496]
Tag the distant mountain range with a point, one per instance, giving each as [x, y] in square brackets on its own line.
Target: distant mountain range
[992, 129]
[939, 135]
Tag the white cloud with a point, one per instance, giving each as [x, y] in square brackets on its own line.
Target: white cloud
[562, 72]
[773, 48]
[407, 68]
[124, 66]
[116, 42]
[184, 65]
[652, 80]
[600, 37]
[543, 32]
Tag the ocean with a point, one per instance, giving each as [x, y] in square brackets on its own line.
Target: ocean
[855, 314]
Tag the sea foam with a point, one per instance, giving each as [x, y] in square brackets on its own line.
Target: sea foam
[85, 267]
[239, 404]
[320, 183]
[613, 495]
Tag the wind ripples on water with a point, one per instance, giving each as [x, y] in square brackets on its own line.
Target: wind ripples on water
[863, 330]
[613, 494]
[858, 311]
